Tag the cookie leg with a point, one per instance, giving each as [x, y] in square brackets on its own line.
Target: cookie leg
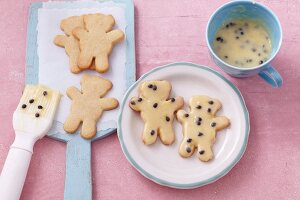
[186, 148]
[149, 134]
[89, 128]
[166, 134]
[204, 153]
[73, 64]
[85, 59]
[102, 64]
[71, 124]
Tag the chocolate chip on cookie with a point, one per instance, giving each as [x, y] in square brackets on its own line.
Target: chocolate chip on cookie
[188, 149]
[213, 124]
[167, 118]
[200, 134]
[201, 152]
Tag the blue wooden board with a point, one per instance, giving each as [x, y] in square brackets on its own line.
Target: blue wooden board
[78, 181]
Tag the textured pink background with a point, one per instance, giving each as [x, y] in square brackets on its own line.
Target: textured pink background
[169, 31]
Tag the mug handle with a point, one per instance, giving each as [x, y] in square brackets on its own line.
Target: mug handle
[271, 76]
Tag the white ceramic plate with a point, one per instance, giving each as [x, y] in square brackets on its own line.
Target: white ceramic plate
[162, 164]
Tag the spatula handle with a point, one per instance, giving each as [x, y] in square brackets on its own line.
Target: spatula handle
[15, 169]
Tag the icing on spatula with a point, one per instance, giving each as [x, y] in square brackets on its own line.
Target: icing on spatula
[31, 121]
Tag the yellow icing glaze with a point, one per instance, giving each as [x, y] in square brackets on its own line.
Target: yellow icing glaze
[243, 43]
[42, 96]
[200, 126]
[156, 111]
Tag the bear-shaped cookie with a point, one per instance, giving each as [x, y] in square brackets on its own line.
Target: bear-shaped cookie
[69, 42]
[157, 110]
[96, 42]
[88, 105]
[200, 126]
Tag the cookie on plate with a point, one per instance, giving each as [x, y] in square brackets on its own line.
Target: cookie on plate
[157, 111]
[200, 126]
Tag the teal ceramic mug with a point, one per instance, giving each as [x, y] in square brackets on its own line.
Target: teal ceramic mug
[254, 11]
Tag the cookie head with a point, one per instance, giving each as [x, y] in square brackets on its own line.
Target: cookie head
[95, 85]
[99, 20]
[155, 90]
[67, 25]
[205, 104]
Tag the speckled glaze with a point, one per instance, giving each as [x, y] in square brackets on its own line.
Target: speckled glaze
[252, 10]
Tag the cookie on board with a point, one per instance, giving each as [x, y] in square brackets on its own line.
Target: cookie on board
[69, 42]
[97, 41]
[88, 105]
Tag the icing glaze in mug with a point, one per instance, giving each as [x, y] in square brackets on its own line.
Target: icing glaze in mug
[250, 10]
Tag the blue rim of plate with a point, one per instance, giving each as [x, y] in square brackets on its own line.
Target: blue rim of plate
[178, 185]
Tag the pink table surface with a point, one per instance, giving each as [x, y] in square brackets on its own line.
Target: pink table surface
[169, 31]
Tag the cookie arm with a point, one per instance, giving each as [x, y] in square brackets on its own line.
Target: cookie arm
[181, 115]
[220, 122]
[115, 36]
[136, 103]
[73, 92]
[108, 103]
[60, 40]
[79, 32]
[177, 104]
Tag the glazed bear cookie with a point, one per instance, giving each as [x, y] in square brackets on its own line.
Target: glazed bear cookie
[88, 105]
[97, 41]
[157, 111]
[200, 127]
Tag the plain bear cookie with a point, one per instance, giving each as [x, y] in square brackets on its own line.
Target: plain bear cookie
[200, 127]
[69, 42]
[157, 111]
[88, 105]
[97, 41]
